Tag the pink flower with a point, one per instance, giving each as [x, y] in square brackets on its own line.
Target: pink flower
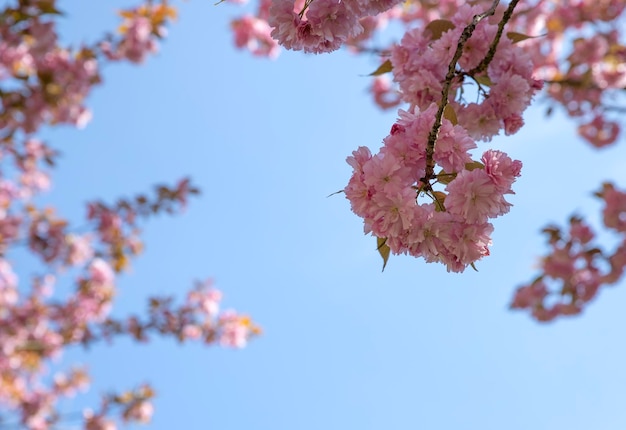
[359, 158]
[98, 422]
[580, 231]
[8, 286]
[385, 173]
[384, 96]
[473, 196]
[468, 242]
[254, 35]
[234, 330]
[600, 132]
[371, 7]
[512, 124]
[333, 21]
[614, 212]
[191, 331]
[286, 24]
[510, 95]
[451, 149]
[530, 296]
[501, 169]
[359, 194]
[79, 249]
[138, 41]
[101, 272]
[394, 212]
[140, 411]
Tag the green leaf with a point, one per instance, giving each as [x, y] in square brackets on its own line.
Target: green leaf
[445, 178]
[473, 267]
[386, 67]
[438, 27]
[474, 165]
[383, 249]
[519, 37]
[450, 114]
[440, 198]
[483, 80]
[51, 10]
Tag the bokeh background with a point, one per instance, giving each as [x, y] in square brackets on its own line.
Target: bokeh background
[344, 345]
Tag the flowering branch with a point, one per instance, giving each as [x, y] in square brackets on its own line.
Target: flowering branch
[434, 132]
[492, 48]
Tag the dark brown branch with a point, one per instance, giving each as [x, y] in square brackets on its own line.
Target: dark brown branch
[494, 45]
[434, 132]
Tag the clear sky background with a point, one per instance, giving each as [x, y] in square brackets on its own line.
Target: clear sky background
[344, 346]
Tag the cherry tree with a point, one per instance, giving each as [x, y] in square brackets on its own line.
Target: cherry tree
[462, 74]
[45, 84]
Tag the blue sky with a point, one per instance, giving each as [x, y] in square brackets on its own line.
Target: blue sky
[344, 346]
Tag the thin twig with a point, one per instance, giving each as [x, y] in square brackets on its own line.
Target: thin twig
[619, 109]
[494, 44]
[434, 132]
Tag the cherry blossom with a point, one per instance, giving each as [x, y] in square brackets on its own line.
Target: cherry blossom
[44, 83]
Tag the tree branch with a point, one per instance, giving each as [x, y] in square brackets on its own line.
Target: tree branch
[492, 48]
[434, 132]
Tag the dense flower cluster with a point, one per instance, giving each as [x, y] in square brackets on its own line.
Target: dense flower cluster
[321, 25]
[254, 34]
[449, 226]
[584, 72]
[577, 266]
[575, 50]
[394, 190]
[505, 86]
[41, 82]
[141, 29]
[37, 327]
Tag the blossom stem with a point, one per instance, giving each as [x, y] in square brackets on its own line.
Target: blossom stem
[492, 48]
[434, 132]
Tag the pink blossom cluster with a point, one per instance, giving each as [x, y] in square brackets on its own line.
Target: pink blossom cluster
[450, 226]
[32, 178]
[321, 25]
[135, 405]
[38, 327]
[45, 83]
[199, 319]
[584, 71]
[229, 328]
[394, 190]
[22, 178]
[141, 29]
[35, 329]
[595, 66]
[576, 48]
[254, 34]
[576, 266]
[505, 87]
[371, 24]
[573, 50]
[41, 82]
[384, 94]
